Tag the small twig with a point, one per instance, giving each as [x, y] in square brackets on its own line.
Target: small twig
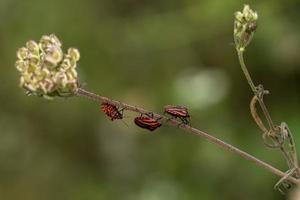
[189, 129]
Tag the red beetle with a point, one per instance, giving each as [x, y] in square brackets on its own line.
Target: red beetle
[112, 111]
[147, 123]
[180, 112]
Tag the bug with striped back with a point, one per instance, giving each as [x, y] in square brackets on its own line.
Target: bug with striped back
[147, 122]
[180, 112]
[112, 111]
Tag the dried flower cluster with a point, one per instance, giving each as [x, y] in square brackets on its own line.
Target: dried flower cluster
[45, 70]
[244, 27]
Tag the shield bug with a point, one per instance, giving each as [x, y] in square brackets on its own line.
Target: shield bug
[180, 112]
[112, 111]
[147, 123]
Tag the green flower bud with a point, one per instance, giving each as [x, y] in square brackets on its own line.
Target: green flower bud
[245, 24]
[45, 70]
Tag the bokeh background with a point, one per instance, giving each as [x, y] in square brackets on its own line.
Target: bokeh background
[148, 53]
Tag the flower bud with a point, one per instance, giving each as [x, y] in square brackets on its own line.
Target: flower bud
[74, 54]
[245, 24]
[45, 70]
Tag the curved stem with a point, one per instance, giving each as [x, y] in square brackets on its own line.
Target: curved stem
[189, 129]
[254, 89]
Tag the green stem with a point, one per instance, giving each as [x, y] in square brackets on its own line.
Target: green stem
[254, 89]
[245, 71]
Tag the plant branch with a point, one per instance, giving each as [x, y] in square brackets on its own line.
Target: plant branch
[254, 89]
[278, 134]
[189, 129]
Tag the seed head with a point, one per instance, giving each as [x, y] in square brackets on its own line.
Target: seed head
[45, 70]
[245, 24]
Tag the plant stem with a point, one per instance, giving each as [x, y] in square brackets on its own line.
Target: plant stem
[254, 89]
[245, 70]
[189, 129]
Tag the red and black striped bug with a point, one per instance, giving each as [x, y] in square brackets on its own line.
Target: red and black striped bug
[147, 123]
[180, 112]
[112, 111]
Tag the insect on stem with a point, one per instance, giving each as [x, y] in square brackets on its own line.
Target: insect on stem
[189, 129]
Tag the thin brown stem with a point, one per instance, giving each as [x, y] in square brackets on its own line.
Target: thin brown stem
[189, 129]
[255, 115]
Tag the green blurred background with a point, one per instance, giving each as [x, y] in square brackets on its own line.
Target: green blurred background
[148, 53]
